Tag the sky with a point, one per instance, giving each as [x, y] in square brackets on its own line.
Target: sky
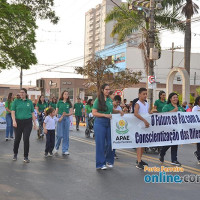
[64, 43]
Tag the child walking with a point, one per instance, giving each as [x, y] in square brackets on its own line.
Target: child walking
[141, 107]
[49, 129]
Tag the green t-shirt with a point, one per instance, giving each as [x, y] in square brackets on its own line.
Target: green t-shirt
[169, 107]
[10, 106]
[23, 108]
[88, 109]
[42, 106]
[78, 109]
[109, 105]
[159, 104]
[53, 105]
[63, 107]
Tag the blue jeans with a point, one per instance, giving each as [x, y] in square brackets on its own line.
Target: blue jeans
[63, 134]
[86, 120]
[9, 125]
[104, 153]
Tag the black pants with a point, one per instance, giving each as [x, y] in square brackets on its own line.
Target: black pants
[50, 141]
[78, 119]
[174, 150]
[23, 127]
[198, 151]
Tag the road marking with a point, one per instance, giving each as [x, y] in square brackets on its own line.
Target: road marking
[146, 158]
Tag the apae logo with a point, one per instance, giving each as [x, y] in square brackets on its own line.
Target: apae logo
[122, 127]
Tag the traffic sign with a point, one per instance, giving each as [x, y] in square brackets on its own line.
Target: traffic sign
[151, 79]
[118, 92]
[151, 82]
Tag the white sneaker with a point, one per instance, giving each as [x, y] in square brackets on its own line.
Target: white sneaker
[66, 153]
[104, 167]
[55, 152]
[109, 165]
[6, 139]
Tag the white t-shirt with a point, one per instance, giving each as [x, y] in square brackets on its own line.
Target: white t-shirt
[144, 108]
[118, 108]
[196, 108]
[50, 122]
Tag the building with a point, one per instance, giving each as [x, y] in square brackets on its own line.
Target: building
[53, 87]
[32, 91]
[97, 32]
[129, 56]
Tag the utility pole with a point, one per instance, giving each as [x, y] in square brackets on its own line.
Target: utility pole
[151, 45]
[21, 76]
[173, 49]
[195, 78]
[172, 55]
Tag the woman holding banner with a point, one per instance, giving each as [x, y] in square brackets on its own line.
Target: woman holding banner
[102, 110]
[196, 108]
[171, 106]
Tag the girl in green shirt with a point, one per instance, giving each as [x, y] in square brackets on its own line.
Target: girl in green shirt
[63, 108]
[9, 122]
[53, 103]
[161, 102]
[40, 107]
[102, 111]
[88, 110]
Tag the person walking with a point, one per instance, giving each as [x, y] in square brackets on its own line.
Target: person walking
[141, 108]
[49, 130]
[171, 106]
[40, 107]
[196, 108]
[9, 122]
[78, 112]
[102, 110]
[88, 110]
[53, 103]
[22, 112]
[63, 107]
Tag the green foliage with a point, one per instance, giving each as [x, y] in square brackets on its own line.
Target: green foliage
[99, 71]
[198, 91]
[17, 36]
[42, 9]
[17, 30]
[128, 21]
[180, 98]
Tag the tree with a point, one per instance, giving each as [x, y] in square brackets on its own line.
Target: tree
[188, 9]
[42, 9]
[17, 36]
[17, 31]
[128, 21]
[99, 71]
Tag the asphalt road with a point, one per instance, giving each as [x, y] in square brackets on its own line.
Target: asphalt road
[74, 177]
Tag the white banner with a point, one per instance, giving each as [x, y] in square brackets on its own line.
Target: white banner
[2, 117]
[165, 129]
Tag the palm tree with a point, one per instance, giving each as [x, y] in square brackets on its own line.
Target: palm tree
[188, 9]
[128, 21]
